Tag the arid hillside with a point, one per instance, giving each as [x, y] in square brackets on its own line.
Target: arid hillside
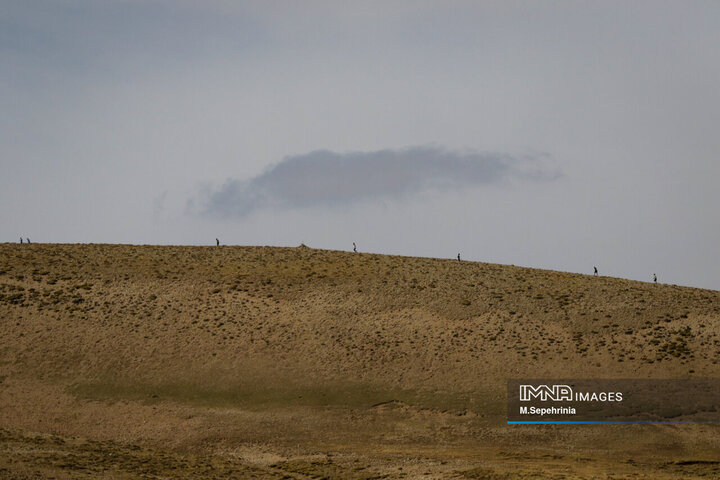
[238, 362]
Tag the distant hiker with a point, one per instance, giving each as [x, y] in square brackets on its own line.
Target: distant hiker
[28, 239]
[217, 242]
[458, 257]
[595, 273]
[654, 278]
[21, 240]
[354, 247]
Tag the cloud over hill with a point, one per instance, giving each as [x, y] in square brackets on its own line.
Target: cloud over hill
[325, 178]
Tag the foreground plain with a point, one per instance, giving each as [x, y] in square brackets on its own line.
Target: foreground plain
[147, 362]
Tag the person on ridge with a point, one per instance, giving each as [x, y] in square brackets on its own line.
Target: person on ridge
[217, 242]
[654, 278]
[459, 257]
[595, 271]
[354, 247]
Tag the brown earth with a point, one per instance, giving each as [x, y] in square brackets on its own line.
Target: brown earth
[128, 362]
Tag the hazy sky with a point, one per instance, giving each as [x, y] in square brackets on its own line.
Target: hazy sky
[556, 135]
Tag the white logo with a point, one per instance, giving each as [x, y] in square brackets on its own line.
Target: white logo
[556, 393]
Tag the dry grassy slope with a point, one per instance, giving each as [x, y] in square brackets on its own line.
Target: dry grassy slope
[254, 323]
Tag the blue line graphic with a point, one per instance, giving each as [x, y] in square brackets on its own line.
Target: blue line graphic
[600, 422]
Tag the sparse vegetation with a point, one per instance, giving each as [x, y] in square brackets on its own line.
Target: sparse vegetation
[297, 350]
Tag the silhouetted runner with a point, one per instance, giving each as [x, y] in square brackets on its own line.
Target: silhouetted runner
[28, 239]
[654, 278]
[458, 257]
[354, 247]
[21, 240]
[217, 242]
[595, 273]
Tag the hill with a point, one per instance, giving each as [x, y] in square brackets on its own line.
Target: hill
[268, 362]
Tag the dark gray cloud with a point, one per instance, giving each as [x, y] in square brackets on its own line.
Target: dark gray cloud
[325, 178]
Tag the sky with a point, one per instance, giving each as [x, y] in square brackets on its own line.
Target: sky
[559, 135]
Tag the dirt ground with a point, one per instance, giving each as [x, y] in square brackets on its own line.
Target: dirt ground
[130, 362]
